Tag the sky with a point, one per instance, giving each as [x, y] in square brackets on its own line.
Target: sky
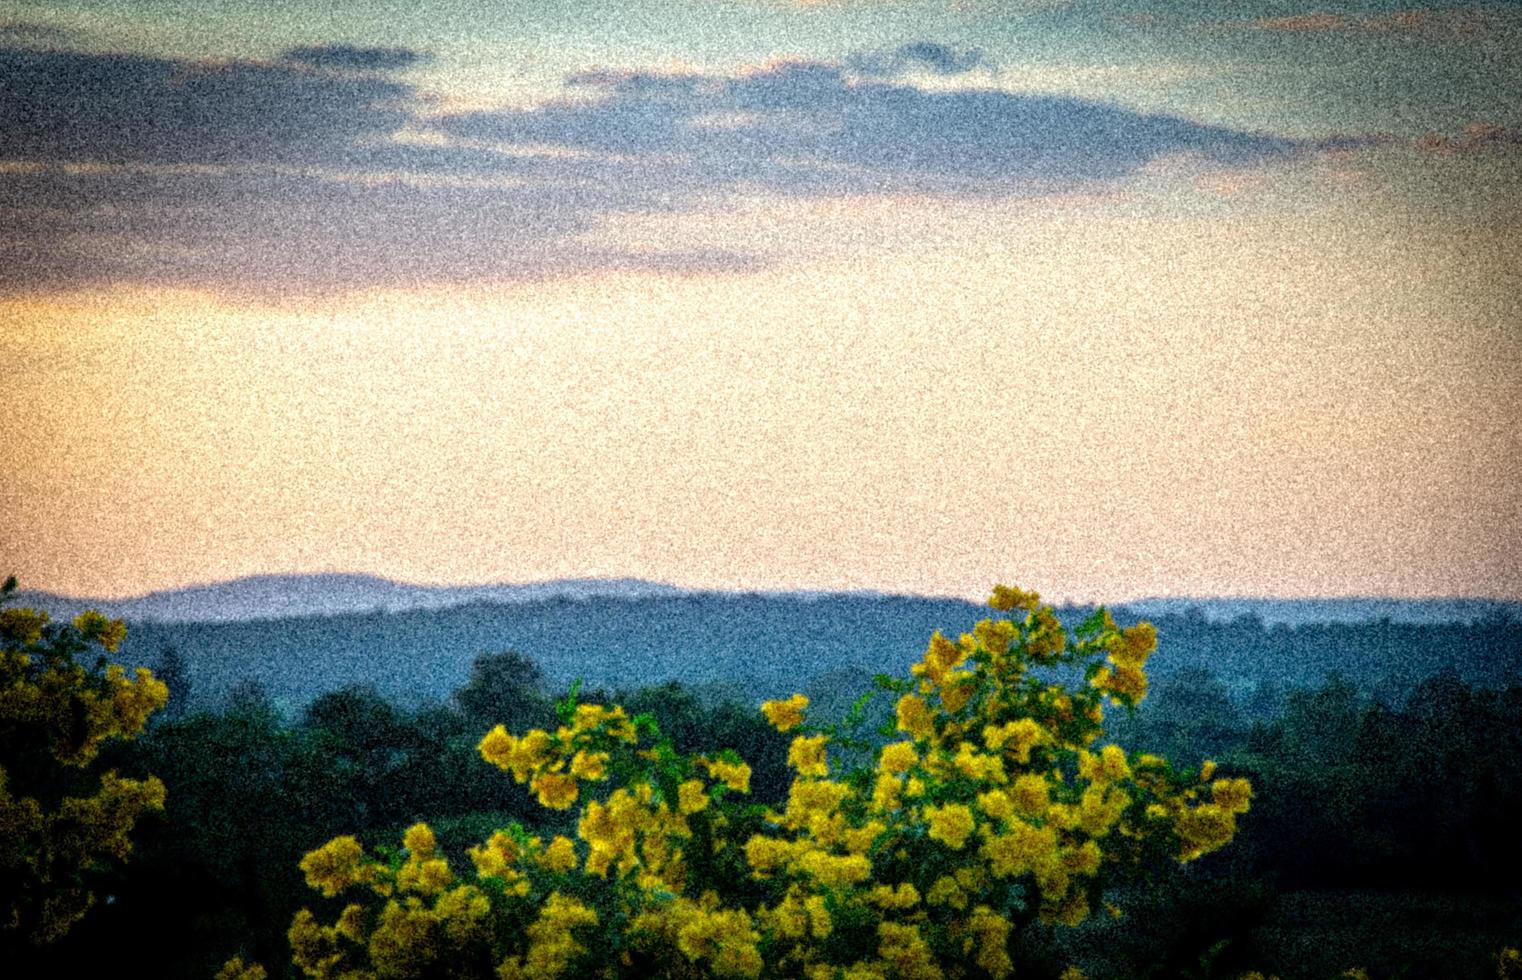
[1105, 298]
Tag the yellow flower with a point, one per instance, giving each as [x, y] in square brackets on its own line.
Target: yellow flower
[1004, 809]
[334, 866]
[898, 757]
[946, 891]
[914, 716]
[497, 747]
[766, 854]
[530, 752]
[978, 765]
[1031, 794]
[1233, 794]
[236, 969]
[590, 765]
[810, 798]
[1108, 767]
[1204, 829]
[496, 857]
[351, 923]
[992, 933]
[427, 877]
[1071, 911]
[560, 855]
[950, 824]
[691, 796]
[552, 945]
[419, 841]
[1016, 738]
[905, 896]
[1020, 849]
[97, 628]
[994, 635]
[835, 871]
[312, 946]
[859, 840]
[1100, 808]
[788, 918]
[785, 715]
[588, 717]
[996, 803]
[940, 657]
[1006, 598]
[956, 690]
[886, 793]
[556, 791]
[1137, 643]
[735, 775]
[22, 626]
[1083, 860]
[1125, 680]
[807, 755]
[724, 938]
[906, 952]
[820, 923]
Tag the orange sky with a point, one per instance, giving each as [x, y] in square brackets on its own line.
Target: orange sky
[1098, 399]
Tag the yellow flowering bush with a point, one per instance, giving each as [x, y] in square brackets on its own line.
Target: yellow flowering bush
[59, 821]
[992, 804]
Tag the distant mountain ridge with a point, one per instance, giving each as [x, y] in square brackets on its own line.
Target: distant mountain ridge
[257, 597]
[1350, 609]
[261, 597]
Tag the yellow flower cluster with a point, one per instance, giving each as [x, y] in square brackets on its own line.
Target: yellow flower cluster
[1123, 678]
[236, 969]
[55, 715]
[553, 764]
[998, 805]
[553, 943]
[427, 922]
[785, 715]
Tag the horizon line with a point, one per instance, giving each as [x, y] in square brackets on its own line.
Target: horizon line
[1069, 601]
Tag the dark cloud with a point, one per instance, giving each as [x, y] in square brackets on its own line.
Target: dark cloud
[301, 174]
[274, 233]
[939, 59]
[114, 108]
[1417, 21]
[805, 127]
[29, 33]
[349, 57]
[1475, 138]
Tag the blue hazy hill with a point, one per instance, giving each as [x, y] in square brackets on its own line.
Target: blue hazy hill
[298, 636]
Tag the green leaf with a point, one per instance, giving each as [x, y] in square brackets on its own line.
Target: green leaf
[566, 706]
[858, 711]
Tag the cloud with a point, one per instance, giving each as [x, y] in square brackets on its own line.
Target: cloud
[1475, 138]
[1301, 23]
[347, 56]
[306, 174]
[277, 233]
[806, 127]
[1463, 23]
[939, 59]
[33, 34]
[73, 106]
